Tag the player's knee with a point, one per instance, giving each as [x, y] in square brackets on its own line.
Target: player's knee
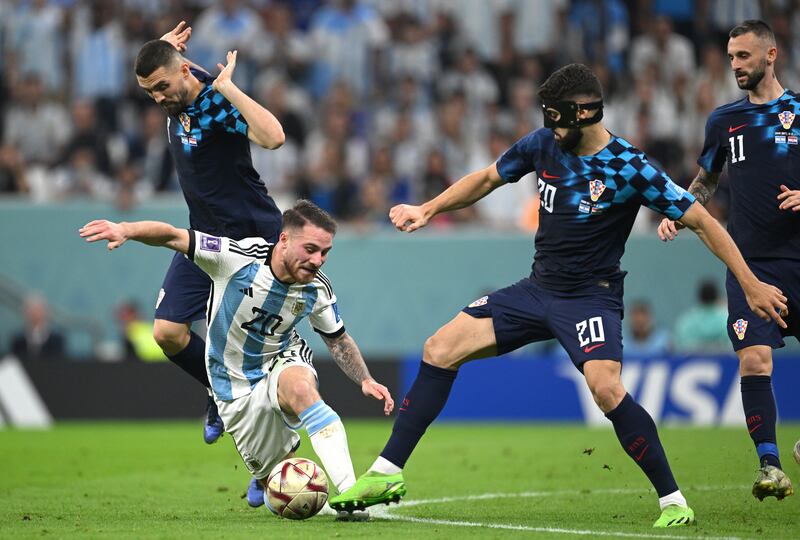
[607, 394]
[436, 354]
[755, 362]
[171, 338]
[298, 393]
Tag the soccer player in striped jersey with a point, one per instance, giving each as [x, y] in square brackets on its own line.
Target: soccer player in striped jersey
[261, 373]
[758, 140]
[591, 186]
[210, 125]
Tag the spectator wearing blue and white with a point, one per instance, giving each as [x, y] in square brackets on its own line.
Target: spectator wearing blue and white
[35, 34]
[99, 52]
[229, 25]
[36, 125]
[348, 37]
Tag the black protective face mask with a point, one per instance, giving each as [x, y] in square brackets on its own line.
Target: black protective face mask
[564, 114]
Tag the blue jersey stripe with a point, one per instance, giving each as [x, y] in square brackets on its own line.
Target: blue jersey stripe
[253, 348]
[221, 325]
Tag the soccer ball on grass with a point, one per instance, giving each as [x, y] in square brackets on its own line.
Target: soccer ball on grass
[297, 488]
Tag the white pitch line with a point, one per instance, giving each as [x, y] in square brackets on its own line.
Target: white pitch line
[385, 513]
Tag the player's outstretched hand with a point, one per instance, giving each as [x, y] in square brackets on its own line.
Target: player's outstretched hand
[101, 229]
[374, 389]
[668, 229]
[768, 302]
[178, 36]
[408, 218]
[226, 72]
[790, 199]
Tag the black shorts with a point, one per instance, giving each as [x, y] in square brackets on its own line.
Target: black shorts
[745, 328]
[587, 323]
[183, 297]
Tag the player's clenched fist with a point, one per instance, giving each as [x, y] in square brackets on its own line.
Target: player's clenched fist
[408, 218]
[101, 229]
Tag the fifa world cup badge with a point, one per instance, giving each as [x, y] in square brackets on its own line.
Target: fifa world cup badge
[596, 189]
[740, 327]
[186, 122]
[786, 118]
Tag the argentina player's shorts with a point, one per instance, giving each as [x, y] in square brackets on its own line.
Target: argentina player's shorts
[745, 328]
[184, 293]
[262, 432]
[586, 322]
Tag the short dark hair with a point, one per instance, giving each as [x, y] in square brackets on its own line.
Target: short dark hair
[761, 29]
[153, 55]
[305, 212]
[571, 81]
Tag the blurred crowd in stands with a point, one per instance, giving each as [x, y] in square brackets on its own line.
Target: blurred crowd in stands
[382, 101]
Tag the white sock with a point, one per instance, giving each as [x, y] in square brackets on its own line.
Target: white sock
[676, 498]
[384, 466]
[330, 444]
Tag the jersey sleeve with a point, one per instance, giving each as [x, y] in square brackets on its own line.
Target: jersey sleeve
[659, 192]
[224, 114]
[325, 318]
[712, 158]
[518, 160]
[221, 257]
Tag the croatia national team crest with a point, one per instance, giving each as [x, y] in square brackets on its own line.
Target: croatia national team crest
[186, 122]
[479, 302]
[786, 118]
[740, 327]
[596, 189]
[299, 306]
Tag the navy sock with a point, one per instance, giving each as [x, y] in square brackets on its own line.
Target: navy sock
[192, 359]
[761, 415]
[637, 433]
[422, 404]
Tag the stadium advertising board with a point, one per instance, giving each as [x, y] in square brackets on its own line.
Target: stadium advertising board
[698, 390]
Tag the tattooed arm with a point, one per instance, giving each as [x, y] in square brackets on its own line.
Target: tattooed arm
[348, 357]
[702, 187]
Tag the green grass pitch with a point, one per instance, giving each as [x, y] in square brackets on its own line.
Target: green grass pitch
[158, 480]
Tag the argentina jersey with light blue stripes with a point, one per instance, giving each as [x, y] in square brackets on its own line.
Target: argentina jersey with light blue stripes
[252, 314]
[760, 144]
[587, 205]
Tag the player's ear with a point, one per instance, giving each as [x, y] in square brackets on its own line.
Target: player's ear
[772, 55]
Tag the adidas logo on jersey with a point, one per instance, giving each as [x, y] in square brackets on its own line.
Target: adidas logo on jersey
[248, 291]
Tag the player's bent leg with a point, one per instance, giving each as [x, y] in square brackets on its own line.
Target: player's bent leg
[462, 339]
[172, 337]
[298, 396]
[758, 402]
[638, 436]
[186, 349]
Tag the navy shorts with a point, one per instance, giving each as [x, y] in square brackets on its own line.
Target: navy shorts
[745, 328]
[184, 293]
[587, 323]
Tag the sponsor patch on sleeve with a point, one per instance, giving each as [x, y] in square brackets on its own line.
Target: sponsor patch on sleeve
[210, 243]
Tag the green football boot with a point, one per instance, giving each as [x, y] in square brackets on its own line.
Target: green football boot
[370, 489]
[772, 482]
[675, 516]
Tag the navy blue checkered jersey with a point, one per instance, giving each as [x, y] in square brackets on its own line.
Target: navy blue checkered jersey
[225, 195]
[588, 205]
[760, 145]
